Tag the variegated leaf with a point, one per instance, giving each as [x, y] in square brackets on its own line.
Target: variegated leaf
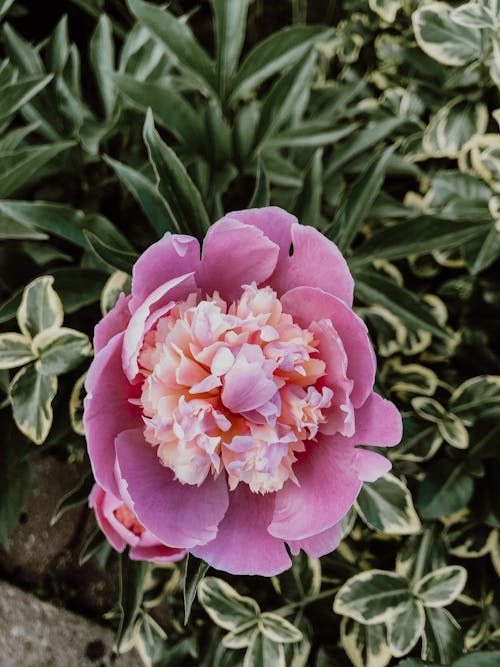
[60, 350]
[405, 629]
[31, 395]
[263, 651]
[278, 629]
[224, 605]
[386, 505]
[118, 282]
[372, 597]
[441, 587]
[15, 350]
[40, 307]
[76, 405]
[366, 645]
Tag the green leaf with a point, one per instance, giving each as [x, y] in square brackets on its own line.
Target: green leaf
[177, 39]
[303, 579]
[372, 597]
[57, 219]
[405, 629]
[479, 659]
[14, 478]
[96, 545]
[194, 571]
[15, 95]
[5, 6]
[40, 307]
[441, 587]
[60, 350]
[476, 397]
[361, 142]
[308, 205]
[442, 640]
[373, 288]
[28, 162]
[446, 488]
[262, 651]
[131, 577]
[442, 39]
[280, 102]
[146, 193]
[68, 285]
[273, 54]
[242, 636]
[22, 53]
[454, 432]
[76, 497]
[224, 605]
[115, 258]
[170, 109]
[386, 505]
[278, 629]
[230, 23]
[102, 57]
[415, 237]
[310, 134]
[471, 14]
[174, 183]
[365, 645]
[360, 199]
[13, 230]
[31, 395]
[15, 350]
[261, 194]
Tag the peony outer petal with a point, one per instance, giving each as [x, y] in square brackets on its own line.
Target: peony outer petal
[328, 486]
[106, 385]
[243, 545]
[371, 465]
[172, 256]
[157, 554]
[378, 423]
[168, 293]
[180, 515]
[115, 321]
[315, 262]
[235, 254]
[96, 500]
[320, 544]
[310, 304]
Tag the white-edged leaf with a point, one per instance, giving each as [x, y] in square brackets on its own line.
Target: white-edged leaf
[40, 307]
[60, 350]
[242, 636]
[442, 640]
[262, 651]
[118, 282]
[386, 9]
[16, 94]
[31, 395]
[386, 505]
[278, 629]
[230, 23]
[443, 39]
[473, 14]
[405, 629]
[15, 350]
[224, 605]
[102, 56]
[365, 645]
[454, 432]
[372, 597]
[76, 405]
[441, 587]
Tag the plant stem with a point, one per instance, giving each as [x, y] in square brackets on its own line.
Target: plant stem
[286, 609]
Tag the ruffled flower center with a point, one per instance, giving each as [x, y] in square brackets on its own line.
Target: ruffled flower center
[231, 387]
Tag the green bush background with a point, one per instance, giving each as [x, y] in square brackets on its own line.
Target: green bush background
[376, 122]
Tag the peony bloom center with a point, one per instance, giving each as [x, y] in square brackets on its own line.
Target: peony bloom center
[234, 387]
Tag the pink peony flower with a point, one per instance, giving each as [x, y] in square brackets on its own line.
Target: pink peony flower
[229, 394]
[121, 527]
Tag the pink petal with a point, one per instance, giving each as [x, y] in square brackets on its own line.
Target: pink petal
[309, 304]
[275, 222]
[329, 485]
[107, 386]
[378, 423]
[233, 255]
[320, 544]
[180, 515]
[315, 262]
[96, 502]
[331, 350]
[243, 545]
[112, 323]
[371, 465]
[157, 554]
[246, 386]
[172, 256]
[170, 292]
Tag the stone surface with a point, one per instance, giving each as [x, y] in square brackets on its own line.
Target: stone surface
[34, 633]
